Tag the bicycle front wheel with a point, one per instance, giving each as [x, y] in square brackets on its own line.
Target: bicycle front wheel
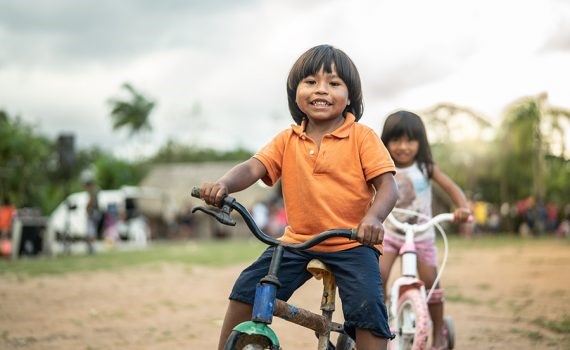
[344, 342]
[242, 341]
[412, 328]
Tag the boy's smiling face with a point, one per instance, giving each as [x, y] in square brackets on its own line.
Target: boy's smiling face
[322, 96]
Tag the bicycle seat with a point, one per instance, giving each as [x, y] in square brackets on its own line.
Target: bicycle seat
[320, 270]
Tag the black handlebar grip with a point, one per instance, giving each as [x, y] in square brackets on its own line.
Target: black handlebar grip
[196, 192]
[354, 234]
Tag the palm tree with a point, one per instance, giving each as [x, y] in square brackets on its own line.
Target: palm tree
[531, 130]
[134, 113]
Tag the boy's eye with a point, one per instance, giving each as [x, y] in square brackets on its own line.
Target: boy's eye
[310, 81]
[335, 83]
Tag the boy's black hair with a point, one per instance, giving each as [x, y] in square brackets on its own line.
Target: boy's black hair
[325, 56]
[406, 123]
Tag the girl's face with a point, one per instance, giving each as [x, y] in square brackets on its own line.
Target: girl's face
[403, 150]
[322, 96]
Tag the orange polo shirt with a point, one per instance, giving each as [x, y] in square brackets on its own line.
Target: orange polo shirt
[325, 188]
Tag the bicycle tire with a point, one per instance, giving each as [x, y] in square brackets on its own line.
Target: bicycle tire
[344, 342]
[243, 341]
[448, 324]
[412, 330]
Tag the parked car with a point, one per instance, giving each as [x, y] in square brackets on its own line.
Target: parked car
[68, 222]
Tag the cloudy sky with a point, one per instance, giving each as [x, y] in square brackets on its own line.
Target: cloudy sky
[217, 68]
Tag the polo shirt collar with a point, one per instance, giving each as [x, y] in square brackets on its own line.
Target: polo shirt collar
[341, 132]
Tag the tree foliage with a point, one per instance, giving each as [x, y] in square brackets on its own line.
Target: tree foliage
[174, 152]
[526, 142]
[133, 113]
[524, 156]
[27, 163]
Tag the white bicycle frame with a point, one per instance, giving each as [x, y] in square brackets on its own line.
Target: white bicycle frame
[409, 275]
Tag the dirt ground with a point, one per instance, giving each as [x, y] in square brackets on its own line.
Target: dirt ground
[499, 298]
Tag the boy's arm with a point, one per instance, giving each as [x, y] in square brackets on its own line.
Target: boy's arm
[236, 179]
[462, 211]
[371, 228]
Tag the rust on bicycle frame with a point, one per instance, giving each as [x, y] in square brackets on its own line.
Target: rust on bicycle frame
[300, 316]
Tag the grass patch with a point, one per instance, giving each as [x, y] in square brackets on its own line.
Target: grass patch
[562, 326]
[214, 253]
[532, 335]
[460, 298]
[484, 286]
[205, 253]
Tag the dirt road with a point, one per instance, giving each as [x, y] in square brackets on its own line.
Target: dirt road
[500, 298]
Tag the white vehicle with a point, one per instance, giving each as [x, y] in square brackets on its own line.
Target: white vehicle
[68, 222]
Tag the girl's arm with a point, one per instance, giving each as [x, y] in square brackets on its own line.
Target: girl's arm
[462, 211]
[371, 229]
[236, 179]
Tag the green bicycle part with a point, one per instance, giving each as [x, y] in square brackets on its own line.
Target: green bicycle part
[250, 327]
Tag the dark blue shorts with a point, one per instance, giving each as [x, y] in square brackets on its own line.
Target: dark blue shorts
[357, 274]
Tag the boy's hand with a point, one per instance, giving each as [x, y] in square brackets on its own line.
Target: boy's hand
[213, 192]
[370, 231]
[462, 215]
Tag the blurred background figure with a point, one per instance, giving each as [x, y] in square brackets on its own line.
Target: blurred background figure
[260, 213]
[7, 214]
[94, 214]
[277, 218]
[111, 224]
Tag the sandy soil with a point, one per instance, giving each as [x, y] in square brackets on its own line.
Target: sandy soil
[495, 297]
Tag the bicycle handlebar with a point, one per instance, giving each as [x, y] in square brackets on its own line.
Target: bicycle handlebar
[229, 203]
[416, 228]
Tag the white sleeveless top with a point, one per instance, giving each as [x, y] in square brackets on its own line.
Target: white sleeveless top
[414, 193]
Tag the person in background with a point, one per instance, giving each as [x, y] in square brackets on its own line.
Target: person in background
[405, 136]
[260, 214]
[7, 214]
[94, 214]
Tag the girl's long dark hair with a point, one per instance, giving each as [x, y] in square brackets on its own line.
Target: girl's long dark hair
[405, 123]
[310, 63]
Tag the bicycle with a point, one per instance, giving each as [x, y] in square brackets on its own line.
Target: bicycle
[256, 333]
[408, 310]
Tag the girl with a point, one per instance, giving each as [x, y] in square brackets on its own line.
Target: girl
[334, 173]
[405, 136]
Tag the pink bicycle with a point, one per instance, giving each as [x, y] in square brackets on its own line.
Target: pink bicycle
[409, 315]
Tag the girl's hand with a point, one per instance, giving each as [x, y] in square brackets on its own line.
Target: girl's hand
[462, 215]
[213, 192]
[370, 231]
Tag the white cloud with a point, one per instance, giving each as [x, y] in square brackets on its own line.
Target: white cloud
[231, 59]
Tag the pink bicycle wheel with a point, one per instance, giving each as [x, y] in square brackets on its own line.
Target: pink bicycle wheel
[413, 322]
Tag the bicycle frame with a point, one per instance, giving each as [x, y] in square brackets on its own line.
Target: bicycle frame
[266, 305]
[409, 274]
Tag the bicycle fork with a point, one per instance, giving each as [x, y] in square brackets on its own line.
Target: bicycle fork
[266, 305]
[409, 278]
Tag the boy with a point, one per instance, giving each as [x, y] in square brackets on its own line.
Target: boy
[335, 173]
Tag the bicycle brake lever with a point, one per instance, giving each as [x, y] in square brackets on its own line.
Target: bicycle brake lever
[222, 215]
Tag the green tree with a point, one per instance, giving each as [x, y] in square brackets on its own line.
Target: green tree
[28, 166]
[456, 134]
[531, 131]
[112, 173]
[173, 152]
[530, 135]
[133, 113]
